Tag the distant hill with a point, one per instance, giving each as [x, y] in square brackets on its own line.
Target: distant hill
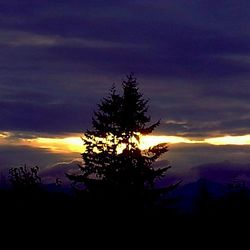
[187, 194]
[50, 174]
[223, 172]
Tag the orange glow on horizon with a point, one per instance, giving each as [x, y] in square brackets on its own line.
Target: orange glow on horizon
[229, 140]
[65, 145]
[152, 140]
[74, 144]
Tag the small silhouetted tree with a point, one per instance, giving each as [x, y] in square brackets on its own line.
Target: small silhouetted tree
[113, 161]
[24, 179]
[204, 200]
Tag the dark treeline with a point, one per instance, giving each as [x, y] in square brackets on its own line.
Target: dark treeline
[36, 206]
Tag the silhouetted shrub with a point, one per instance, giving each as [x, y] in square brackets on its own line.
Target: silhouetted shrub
[24, 178]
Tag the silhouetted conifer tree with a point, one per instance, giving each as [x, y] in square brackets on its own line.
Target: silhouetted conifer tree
[113, 161]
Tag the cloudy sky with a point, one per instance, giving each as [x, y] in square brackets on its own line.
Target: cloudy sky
[59, 58]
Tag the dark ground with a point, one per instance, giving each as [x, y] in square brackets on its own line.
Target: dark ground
[62, 217]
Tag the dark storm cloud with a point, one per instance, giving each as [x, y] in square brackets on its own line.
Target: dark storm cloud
[42, 117]
[58, 58]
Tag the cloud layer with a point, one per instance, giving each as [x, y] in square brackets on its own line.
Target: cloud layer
[59, 58]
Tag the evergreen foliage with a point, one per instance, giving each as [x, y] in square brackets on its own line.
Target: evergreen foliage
[112, 158]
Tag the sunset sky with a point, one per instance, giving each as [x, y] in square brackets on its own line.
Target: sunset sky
[59, 58]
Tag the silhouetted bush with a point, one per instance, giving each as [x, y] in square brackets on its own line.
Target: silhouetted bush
[24, 178]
